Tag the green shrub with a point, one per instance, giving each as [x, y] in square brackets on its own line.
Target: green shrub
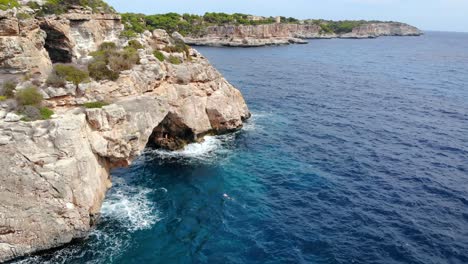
[71, 73]
[33, 5]
[178, 47]
[123, 60]
[29, 96]
[46, 113]
[2, 98]
[98, 104]
[23, 16]
[98, 70]
[55, 81]
[174, 60]
[134, 24]
[159, 55]
[30, 113]
[326, 29]
[128, 34]
[61, 6]
[33, 113]
[7, 4]
[135, 44]
[107, 46]
[8, 89]
[108, 61]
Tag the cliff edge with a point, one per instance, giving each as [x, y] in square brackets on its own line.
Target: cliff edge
[56, 169]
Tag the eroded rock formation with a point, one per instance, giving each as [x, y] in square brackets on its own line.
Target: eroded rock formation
[22, 45]
[56, 172]
[30, 44]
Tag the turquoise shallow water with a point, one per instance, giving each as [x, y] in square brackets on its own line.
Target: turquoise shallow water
[356, 153]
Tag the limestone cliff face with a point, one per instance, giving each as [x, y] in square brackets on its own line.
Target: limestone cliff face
[22, 45]
[52, 184]
[56, 172]
[29, 45]
[90, 30]
[248, 35]
[276, 34]
[374, 30]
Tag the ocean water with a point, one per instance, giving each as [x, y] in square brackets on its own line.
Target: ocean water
[357, 152]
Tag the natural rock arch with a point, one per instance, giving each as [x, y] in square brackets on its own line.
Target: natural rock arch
[172, 134]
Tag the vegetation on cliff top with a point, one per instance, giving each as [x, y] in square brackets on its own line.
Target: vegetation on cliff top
[62, 6]
[188, 24]
[195, 25]
[338, 27]
[92, 105]
[7, 4]
[108, 61]
[29, 103]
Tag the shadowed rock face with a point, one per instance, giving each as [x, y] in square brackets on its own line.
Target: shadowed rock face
[29, 45]
[57, 44]
[171, 134]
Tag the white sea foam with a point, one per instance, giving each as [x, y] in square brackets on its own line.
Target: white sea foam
[211, 147]
[130, 206]
[252, 123]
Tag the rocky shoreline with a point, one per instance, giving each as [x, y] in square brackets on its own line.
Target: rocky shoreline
[284, 34]
[57, 168]
[56, 172]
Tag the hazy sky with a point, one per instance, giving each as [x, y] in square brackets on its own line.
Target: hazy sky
[448, 15]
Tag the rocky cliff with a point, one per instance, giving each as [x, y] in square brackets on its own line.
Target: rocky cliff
[32, 44]
[281, 33]
[56, 172]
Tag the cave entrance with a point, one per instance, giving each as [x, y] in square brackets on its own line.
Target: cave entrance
[171, 134]
[57, 45]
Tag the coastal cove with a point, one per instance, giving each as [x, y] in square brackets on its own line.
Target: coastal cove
[355, 153]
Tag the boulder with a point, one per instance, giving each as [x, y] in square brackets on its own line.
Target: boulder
[177, 37]
[12, 117]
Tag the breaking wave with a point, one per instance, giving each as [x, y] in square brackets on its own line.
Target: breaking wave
[127, 209]
[130, 206]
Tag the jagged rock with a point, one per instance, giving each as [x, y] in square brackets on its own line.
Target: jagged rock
[61, 183]
[22, 46]
[161, 34]
[97, 119]
[177, 36]
[9, 26]
[91, 30]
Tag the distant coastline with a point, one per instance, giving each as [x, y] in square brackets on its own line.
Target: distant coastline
[242, 30]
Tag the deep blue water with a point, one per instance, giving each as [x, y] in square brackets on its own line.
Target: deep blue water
[357, 152]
